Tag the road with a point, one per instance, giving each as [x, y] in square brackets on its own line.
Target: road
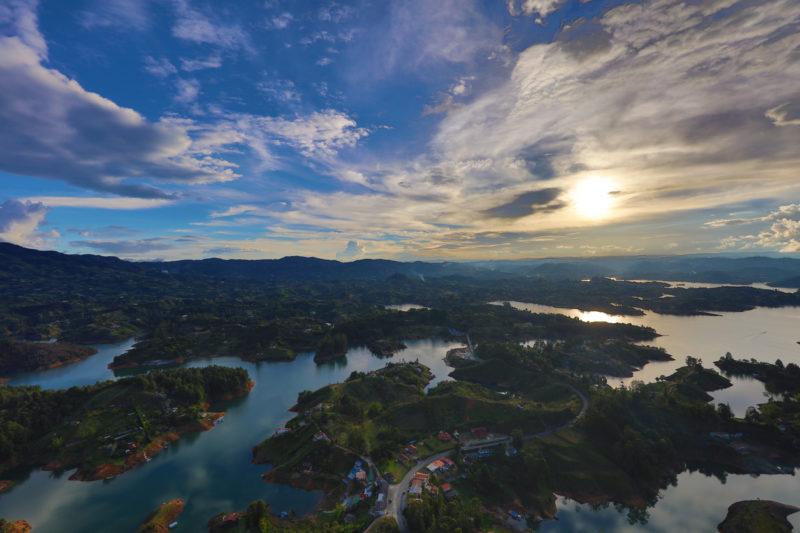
[569, 424]
[396, 492]
[399, 499]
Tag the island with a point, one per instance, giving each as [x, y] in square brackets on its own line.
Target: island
[106, 429]
[20, 356]
[758, 516]
[18, 526]
[164, 518]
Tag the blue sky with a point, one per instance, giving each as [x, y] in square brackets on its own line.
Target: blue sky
[171, 129]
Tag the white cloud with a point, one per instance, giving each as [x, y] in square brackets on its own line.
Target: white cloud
[281, 21]
[196, 26]
[20, 221]
[115, 203]
[161, 67]
[18, 18]
[235, 210]
[187, 91]
[191, 65]
[323, 61]
[542, 8]
[119, 14]
[354, 250]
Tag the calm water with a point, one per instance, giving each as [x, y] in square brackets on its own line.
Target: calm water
[211, 471]
[697, 504]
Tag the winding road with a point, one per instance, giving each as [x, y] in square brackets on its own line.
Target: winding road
[398, 497]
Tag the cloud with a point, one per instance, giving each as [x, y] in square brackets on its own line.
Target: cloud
[53, 128]
[785, 114]
[190, 65]
[20, 221]
[542, 8]
[352, 251]
[281, 90]
[195, 26]
[187, 91]
[125, 248]
[419, 36]
[100, 203]
[161, 68]
[119, 14]
[528, 203]
[235, 210]
[320, 133]
[18, 18]
[783, 232]
[323, 61]
[281, 21]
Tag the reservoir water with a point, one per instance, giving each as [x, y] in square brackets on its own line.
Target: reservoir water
[212, 471]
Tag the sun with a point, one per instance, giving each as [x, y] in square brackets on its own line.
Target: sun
[593, 197]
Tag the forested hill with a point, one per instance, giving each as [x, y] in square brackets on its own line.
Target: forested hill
[315, 269]
[22, 263]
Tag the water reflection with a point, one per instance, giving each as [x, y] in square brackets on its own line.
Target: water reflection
[695, 503]
[211, 471]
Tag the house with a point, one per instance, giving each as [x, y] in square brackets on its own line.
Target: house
[416, 487]
[435, 466]
[403, 458]
[433, 489]
[411, 449]
[479, 431]
[447, 462]
[361, 476]
[319, 435]
[446, 487]
[444, 436]
[281, 431]
[421, 475]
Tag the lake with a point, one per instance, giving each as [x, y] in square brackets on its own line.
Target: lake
[212, 471]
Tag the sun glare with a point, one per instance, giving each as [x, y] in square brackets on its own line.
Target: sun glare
[592, 197]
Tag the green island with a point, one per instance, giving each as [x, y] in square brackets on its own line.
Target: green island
[758, 516]
[16, 356]
[162, 519]
[108, 428]
[514, 430]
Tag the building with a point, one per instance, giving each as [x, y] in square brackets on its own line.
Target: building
[479, 431]
[444, 436]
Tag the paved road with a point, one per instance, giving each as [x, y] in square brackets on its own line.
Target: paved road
[396, 496]
[396, 492]
[569, 424]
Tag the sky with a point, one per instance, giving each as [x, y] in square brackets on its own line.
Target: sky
[409, 130]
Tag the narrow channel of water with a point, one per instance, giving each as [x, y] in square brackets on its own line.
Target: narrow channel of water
[211, 471]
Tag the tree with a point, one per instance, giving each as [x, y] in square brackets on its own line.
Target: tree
[516, 438]
[724, 411]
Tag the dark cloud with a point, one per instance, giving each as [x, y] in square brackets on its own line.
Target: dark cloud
[584, 38]
[53, 128]
[125, 247]
[528, 203]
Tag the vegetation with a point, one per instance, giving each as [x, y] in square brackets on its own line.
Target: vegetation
[23, 356]
[758, 516]
[159, 520]
[105, 429]
[777, 378]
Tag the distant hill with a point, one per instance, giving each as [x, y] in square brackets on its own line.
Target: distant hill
[16, 261]
[313, 269]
